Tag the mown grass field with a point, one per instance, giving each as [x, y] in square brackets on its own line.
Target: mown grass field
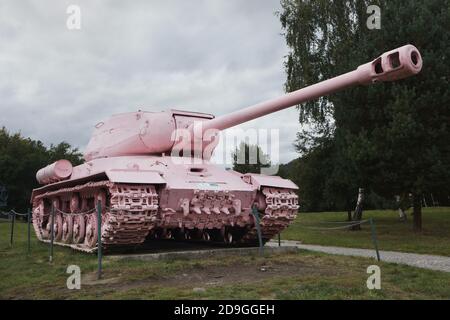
[392, 234]
[302, 275]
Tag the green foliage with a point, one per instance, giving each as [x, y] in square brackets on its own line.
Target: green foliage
[21, 158]
[249, 158]
[64, 150]
[391, 138]
[320, 187]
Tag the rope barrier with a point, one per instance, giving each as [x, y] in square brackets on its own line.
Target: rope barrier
[338, 222]
[336, 228]
[13, 212]
[19, 214]
[75, 213]
[5, 214]
[349, 225]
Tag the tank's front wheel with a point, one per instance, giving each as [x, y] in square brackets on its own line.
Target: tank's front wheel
[58, 227]
[79, 228]
[67, 228]
[91, 231]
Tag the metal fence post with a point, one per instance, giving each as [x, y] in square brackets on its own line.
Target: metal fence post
[255, 213]
[29, 230]
[13, 220]
[374, 238]
[99, 238]
[52, 233]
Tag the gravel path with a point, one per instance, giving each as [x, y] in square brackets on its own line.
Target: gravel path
[425, 261]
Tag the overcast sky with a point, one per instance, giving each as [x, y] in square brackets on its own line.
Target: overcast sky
[212, 56]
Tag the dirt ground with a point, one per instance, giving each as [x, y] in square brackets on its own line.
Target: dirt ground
[214, 275]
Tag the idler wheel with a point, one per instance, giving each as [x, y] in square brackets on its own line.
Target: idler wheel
[79, 228]
[91, 231]
[67, 228]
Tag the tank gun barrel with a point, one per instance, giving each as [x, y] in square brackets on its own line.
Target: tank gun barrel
[393, 65]
[143, 133]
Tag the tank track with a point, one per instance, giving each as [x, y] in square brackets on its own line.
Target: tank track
[127, 220]
[281, 209]
[131, 215]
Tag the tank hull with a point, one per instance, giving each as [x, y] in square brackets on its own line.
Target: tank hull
[150, 197]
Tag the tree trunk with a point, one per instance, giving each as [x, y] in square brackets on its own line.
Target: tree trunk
[357, 215]
[417, 213]
[401, 210]
[348, 204]
[402, 215]
[432, 200]
[424, 202]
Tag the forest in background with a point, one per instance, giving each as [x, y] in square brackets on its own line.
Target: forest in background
[389, 139]
[21, 158]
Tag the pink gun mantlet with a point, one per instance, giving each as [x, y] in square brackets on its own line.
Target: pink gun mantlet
[145, 195]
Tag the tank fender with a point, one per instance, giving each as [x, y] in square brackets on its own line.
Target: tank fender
[134, 176]
[260, 180]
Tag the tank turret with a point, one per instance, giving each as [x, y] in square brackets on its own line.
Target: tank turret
[138, 133]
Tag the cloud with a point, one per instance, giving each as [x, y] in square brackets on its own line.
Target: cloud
[207, 56]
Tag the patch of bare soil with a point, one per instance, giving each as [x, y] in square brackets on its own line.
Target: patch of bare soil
[207, 276]
[90, 279]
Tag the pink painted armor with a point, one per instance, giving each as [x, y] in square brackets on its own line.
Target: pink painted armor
[147, 191]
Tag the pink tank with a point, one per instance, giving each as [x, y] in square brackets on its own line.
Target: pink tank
[152, 174]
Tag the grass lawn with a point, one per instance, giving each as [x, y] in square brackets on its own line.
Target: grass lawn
[303, 275]
[392, 234]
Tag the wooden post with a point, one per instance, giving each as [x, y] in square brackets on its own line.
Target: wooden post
[99, 239]
[255, 213]
[13, 220]
[29, 230]
[52, 233]
[417, 213]
[374, 238]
